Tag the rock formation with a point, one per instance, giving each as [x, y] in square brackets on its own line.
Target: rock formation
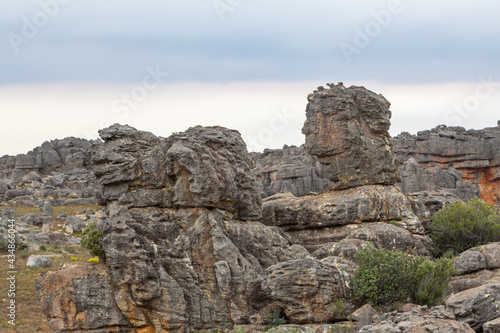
[290, 169]
[191, 246]
[347, 129]
[57, 170]
[183, 249]
[475, 154]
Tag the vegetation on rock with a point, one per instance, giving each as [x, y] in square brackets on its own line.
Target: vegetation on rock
[460, 226]
[385, 277]
[91, 239]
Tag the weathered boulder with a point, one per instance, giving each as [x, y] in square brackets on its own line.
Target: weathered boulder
[202, 167]
[478, 305]
[74, 223]
[363, 316]
[347, 129]
[38, 261]
[31, 219]
[415, 179]
[416, 319]
[80, 298]
[382, 236]
[492, 326]
[471, 280]
[307, 288]
[491, 253]
[469, 261]
[46, 208]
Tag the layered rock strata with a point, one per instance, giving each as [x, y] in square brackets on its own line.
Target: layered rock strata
[475, 154]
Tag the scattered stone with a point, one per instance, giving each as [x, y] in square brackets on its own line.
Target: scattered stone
[74, 223]
[413, 318]
[38, 261]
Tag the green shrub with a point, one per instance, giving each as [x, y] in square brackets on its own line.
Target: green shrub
[459, 226]
[19, 246]
[43, 248]
[433, 281]
[276, 319]
[94, 260]
[385, 277]
[75, 259]
[91, 240]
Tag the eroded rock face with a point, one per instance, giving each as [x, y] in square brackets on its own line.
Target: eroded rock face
[478, 305]
[69, 298]
[413, 318]
[290, 169]
[474, 153]
[308, 287]
[333, 215]
[202, 167]
[347, 129]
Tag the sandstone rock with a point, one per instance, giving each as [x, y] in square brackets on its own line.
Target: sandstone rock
[202, 167]
[417, 179]
[476, 306]
[415, 319]
[471, 280]
[425, 204]
[491, 253]
[32, 219]
[469, 261]
[38, 261]
[75, 223]
[290, 169]
[45, 207]
[382, 236]
[364, 315]
[311, 214]
[492, 326]
[347, 129]
[69, 298]
[472, 153]
[306, 288]
[212, 168]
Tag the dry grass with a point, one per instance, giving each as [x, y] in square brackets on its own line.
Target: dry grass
[73, 210]
[29, 317]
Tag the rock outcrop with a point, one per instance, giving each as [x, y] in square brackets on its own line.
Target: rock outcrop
[57, 170]
[290, 169]
[335, 215]
[347, 129]
[473, 153]
[414, 318]
[191, 246]
[183, 245]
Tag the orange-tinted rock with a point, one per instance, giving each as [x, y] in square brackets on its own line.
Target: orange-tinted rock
[474, 153]
[347, 129]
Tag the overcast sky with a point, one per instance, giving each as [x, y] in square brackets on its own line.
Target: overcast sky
[71, 67]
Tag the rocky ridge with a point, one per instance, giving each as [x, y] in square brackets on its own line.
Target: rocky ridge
[190, 244]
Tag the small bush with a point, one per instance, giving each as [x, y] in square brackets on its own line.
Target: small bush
[276, 319]
[433, 281]
[19, 246]
[94, 260]
[459, 226]
[91, 240]
[385, 277]
[75, 259]
[43, 248]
